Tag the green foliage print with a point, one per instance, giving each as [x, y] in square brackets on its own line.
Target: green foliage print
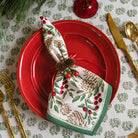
[54, 130]
[127, 125]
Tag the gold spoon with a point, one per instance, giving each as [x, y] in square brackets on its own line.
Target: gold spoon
[131, 32]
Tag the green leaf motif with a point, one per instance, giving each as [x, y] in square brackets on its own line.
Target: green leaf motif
[59, 79]
[94, 114]
[86, 113]
[90, 107]
[82, 97]
[82, 105]
[56, 108]
[76, 99]
[51, 103]
[57, 97]
[73, 83]
[96, 90]
[63, 50]
[103, 87]
[70, 94]
[71, 90]
[55, 90]
[80, 91]
[50, 26]
[52, 33]
[90, 94]
[89, 120]
[100, 82]
[65, 93]
[58, 102]
[89, 101]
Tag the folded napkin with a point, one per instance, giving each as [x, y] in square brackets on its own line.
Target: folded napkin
[79, 98]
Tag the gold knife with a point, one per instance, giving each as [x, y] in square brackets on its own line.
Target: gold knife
[120, 42]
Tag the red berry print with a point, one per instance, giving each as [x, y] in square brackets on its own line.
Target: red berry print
[90, 112]
[100, 100]
[48, 32]
[44, 22]
[54, 93]
[65, 81]
[76, 74]
[68, 75]
[44, 31]
[95, 97]
[96, 107]
[84, 109]
[95, 103]
[61, 92]
[66, 86]
[45, 18]
[61, 87]
[41, 17]
[98, 95]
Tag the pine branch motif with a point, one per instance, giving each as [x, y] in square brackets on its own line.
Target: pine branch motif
[90, 81]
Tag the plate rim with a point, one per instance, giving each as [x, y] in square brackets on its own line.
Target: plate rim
[60, 22]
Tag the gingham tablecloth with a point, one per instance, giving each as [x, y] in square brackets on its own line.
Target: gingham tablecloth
[122, 115]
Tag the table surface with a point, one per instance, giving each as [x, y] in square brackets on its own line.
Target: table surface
[122, 115]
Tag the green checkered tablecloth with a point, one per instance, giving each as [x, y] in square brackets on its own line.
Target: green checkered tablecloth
[122, 115]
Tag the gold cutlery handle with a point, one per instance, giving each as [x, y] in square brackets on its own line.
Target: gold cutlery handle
[7, 121]
[132, 62]
[18, 117]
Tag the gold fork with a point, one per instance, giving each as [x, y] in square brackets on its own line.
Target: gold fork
[9, 87]
[5, 116]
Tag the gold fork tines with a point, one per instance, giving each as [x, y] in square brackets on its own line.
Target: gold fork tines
[9, 87]
[5, 116]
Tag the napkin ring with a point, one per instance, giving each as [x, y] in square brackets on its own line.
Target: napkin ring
[67, 63]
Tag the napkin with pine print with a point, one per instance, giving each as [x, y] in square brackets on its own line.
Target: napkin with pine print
[79, 98]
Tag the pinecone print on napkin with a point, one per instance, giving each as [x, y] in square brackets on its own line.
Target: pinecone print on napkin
[90, 81]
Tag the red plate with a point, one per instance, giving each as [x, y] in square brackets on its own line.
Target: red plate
[34, 72]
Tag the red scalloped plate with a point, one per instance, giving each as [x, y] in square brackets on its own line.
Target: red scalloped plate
[34, 72]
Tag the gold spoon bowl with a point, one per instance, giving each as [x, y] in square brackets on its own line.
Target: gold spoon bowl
[131, 32]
